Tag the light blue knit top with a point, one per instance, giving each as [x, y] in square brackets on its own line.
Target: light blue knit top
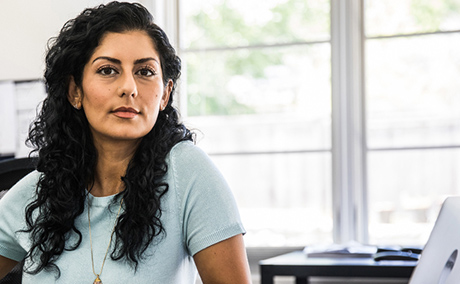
[199, 210]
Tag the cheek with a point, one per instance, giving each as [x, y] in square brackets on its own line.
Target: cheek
[151, 98]
[95, 97]
[149, 123]
[152, 111]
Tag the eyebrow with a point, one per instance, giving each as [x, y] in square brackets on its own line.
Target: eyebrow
[117, 61]
[143, 60]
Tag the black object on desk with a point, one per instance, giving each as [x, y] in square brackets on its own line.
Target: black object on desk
[300, 266]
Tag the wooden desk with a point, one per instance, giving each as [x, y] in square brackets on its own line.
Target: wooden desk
[299, 265]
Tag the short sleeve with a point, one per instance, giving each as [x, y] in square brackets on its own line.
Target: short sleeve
[12, 217]
[208, 208]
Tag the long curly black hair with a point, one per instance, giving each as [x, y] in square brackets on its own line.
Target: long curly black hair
[66, 153]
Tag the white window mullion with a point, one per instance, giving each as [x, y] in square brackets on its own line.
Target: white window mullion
[348, 125]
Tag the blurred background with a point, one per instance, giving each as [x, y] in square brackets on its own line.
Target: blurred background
[331, 120]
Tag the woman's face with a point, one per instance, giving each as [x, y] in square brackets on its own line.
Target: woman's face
[122, 88]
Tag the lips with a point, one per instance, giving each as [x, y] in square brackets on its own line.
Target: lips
[125, 112]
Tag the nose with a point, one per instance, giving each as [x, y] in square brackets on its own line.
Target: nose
[128, 85]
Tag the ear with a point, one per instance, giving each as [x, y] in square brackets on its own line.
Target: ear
[166, 93]
[74, 94]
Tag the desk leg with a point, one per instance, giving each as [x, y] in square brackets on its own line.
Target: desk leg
[265, 276]
[301, 280]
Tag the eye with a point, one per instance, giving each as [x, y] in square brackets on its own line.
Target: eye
[107, 70]
[146, 72]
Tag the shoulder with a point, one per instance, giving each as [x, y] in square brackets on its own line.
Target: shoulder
[186, 156]
[190, 169]
[23, 190]
[12, 216]
[187, 151]
[193, 174]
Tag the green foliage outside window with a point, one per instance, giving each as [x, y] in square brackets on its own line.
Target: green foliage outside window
[233, 45]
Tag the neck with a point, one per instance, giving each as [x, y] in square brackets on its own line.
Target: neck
[112, 162]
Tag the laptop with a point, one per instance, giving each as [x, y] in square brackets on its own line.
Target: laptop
[440, 260]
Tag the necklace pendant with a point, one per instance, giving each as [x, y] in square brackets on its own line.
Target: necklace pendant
[98, 280]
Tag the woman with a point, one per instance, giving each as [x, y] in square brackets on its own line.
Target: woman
[120, 194]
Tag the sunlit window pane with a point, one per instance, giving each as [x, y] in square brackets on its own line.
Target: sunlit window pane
[285, 199]
[385, 18]
[294, 79]
[407, 189]
[413, 91]
[227, 23]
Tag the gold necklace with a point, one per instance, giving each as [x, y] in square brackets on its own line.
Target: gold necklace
[98, 279]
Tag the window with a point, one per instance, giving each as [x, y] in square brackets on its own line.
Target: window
[413, 118]
[330, 119]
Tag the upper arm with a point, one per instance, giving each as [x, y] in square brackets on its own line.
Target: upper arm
[6, 265]
[14, 244]
[224, 262]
